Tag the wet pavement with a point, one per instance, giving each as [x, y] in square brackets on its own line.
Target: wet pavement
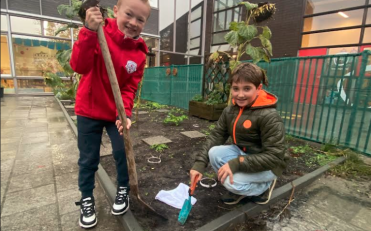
[39, 169]
[329, 204]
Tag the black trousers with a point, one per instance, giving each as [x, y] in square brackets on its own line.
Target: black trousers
[89, 140]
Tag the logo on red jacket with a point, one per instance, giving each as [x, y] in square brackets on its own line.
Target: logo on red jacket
[131, 67]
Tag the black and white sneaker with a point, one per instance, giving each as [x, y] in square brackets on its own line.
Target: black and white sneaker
[121, 204]
[88, 218]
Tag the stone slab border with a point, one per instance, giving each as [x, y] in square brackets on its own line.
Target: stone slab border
[232, 218]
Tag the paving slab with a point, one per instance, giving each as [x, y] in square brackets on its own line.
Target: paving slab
[28, 181]
[34, 140]
[67, 181]
[69, 107]
[41, 218]
[66, 201]
[142, 112]
[362, 219]
[6, 155]
[74, 117]
[21, 201]
[193, 134]
[162, 110]
[156, 140]
[34, 166]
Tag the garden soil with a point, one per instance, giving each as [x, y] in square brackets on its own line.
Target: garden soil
[176, 161]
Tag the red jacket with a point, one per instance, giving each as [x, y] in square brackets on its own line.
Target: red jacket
[94, 98]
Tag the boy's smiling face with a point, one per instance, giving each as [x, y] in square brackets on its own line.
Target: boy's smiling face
[244, 93]
[131, 16]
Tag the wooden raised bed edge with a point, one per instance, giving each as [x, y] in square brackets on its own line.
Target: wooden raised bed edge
[202, 110]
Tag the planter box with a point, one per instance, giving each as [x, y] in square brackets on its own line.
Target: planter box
[202, 110]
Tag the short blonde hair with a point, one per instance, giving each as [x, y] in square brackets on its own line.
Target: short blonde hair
[144, 1]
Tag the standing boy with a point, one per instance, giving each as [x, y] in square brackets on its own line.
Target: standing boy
[95, 106]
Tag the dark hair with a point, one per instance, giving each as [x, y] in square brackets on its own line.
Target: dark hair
[249, 72]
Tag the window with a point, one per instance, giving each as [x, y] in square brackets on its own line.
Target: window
[223, 4]
[195, 43]
[25, 25]
[34, 56]
[197, 13]
[225, 12]
[367, 35]
[319, 6]
[151, 42]
[5, 60]
[196, 28]
[328, 21]
[368, 20]
[331, 38]
[219, 38]
[166, 24]
[4, 23]
[30, 86]
[153, 3]
[342, 50]
[51, 27]
[8, 85]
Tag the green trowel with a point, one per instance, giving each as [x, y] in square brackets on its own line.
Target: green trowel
[187, 206]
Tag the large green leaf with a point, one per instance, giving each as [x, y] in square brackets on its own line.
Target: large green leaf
[249, 6]
[266, 44]
[232, 38]
[233, 26]
[265, 56]
[61, 29]
[248, 32]
[254, 52]
[267, 33]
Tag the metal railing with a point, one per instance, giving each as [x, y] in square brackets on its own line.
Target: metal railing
[325, 99]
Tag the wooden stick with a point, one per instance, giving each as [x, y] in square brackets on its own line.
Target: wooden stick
[121, 111]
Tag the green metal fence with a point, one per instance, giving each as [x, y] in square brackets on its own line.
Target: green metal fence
[325, 99]
[175, 85]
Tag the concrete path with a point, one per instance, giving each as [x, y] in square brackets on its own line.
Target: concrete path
[331, 204]
[39, 169]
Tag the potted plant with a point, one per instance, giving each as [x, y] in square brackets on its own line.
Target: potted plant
[241, 36]
[210, 107]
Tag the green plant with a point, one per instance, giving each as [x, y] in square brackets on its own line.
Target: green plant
[212, 127]
[321, 159]
[206, 132]
[352, 167]
[171, 118]
[210, 175]
[243, 33]
[197, 98]
[159, 147]
[216, 96]
[301, 149]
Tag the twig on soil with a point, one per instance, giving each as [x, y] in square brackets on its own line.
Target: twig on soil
[224, 208]
[288, 203]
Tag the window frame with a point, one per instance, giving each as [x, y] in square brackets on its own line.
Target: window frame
[363, 26]
[225, 21]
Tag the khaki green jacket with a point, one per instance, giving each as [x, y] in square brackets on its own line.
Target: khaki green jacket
[258, 130]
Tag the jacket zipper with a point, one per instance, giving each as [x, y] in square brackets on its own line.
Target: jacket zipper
[234, 126]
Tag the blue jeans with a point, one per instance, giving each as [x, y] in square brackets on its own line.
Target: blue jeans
[248, 184]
